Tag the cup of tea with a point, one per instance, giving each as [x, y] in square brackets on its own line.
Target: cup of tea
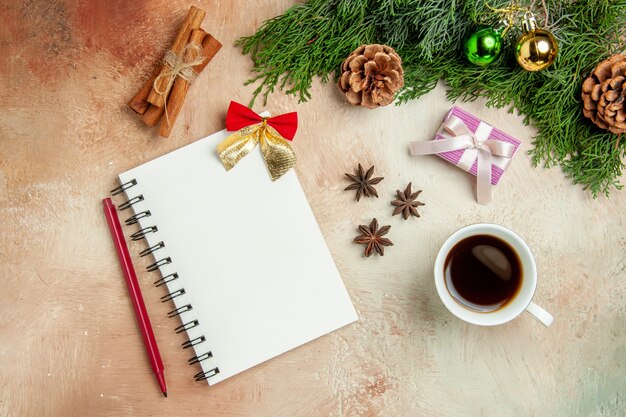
[485, 274]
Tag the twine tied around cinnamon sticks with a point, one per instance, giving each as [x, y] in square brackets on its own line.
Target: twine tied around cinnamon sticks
[176, 67]
[166, 90]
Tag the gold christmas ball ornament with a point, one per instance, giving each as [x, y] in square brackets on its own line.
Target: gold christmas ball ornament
[536, 49]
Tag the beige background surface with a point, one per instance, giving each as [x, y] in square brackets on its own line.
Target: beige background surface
[69, 345]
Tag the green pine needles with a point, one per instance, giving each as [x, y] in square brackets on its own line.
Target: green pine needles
[312, 39]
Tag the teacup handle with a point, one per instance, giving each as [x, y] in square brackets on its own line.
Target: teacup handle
[540, 314]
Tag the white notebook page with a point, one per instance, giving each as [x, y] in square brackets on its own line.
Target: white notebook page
[248, 253]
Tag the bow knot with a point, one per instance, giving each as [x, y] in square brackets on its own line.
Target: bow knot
[479, 144]
[477, 147]
[272, 133]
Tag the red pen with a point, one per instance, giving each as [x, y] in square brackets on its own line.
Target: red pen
[135, 292]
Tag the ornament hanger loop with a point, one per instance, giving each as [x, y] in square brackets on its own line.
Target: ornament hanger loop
[509, 14]
[512, 8]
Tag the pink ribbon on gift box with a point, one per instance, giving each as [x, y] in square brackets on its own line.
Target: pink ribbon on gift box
[476, 145]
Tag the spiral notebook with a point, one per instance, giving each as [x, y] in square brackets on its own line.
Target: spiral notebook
[242, 257]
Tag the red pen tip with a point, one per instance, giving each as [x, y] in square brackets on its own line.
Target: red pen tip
[165, 394]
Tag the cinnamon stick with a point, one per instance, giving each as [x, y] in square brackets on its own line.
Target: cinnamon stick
[192, 21]
[139, 103]
[153, 114]
[210, 47]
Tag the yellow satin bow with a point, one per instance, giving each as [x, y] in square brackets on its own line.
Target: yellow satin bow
[277, 153]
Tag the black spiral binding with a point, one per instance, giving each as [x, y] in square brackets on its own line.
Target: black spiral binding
[134, 219]
[123, 187]
[172, 295]
[158, 264]
[201, 376]
[200, 358]
[151, 249]
[179, 311]
[189, 325]
[166, 279]
[141, 234]
[190, 343]
[131, 202]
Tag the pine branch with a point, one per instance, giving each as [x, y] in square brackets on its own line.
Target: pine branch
[312, 39]
[308, 40]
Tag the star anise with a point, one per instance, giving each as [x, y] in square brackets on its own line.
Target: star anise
[407, 203]
[363, 182]
[372, 236]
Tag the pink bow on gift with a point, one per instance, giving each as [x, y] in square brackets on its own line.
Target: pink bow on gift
[476, 145]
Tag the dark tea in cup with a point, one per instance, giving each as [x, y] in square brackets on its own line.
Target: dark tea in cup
[483, 272]
[486, 274]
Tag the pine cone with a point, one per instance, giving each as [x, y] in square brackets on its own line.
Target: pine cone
[604, 95]
[371, 75]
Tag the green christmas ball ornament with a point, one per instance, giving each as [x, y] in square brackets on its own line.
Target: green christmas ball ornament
[483, 46]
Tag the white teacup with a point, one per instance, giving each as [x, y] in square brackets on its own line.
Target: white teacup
[514, 307]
